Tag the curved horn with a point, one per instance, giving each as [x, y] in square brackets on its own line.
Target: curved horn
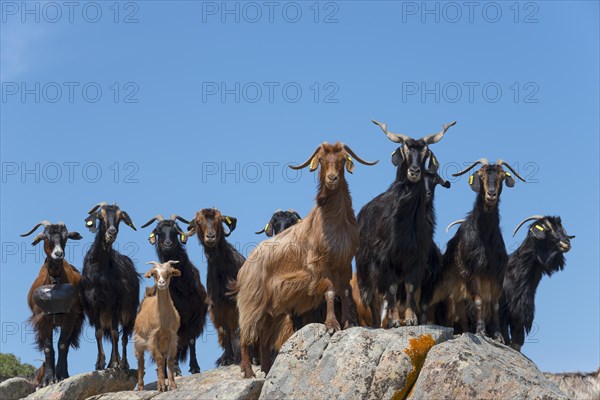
[177, 217]
[502, 162]
[482, 161]
[436, 137]
[394, 137]
[533, 217]
[303, 165]
[44, 222]
[360, 160]
[458, 221]
[171, 262]
[155, 263]
[158, 218]
[101, 204]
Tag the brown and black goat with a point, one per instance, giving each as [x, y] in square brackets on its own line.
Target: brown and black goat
[293, 271]
[395, 235]
[110, 285]
[476, 255]
[55, 270]
[223, 263]
[188, 293]
[541, 253]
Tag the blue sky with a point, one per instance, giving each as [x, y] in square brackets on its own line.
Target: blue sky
[170, 107]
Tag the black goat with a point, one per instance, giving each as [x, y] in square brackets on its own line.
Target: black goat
[394, 236]
[55, 270]
[280, 221]
[110, 284]
[476, 254]
[541, 253]
[223, 262]
[187, 292]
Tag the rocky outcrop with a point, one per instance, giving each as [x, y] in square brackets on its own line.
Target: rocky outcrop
[578, 385]
[15, 388]
[473, 366]
[356, 363]
[220, 383]
[88, 384]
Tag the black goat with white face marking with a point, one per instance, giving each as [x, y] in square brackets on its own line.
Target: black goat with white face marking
[395, 238]
[541, 253]
[187, 292]
[110, 284]
[476, 254]
[280, 221]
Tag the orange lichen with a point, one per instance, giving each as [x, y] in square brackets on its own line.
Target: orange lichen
[416, 351]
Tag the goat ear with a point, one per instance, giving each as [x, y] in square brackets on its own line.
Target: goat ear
[231, 222]
[175, 272]
[149, 274]
[538, 231]
[314, 163]
[349, 164]
[90, 222]
[397, 157]
[152, 238]
[297, 215]
[127, 219]
[74, 236]
[475, 183]
[446, 184]
[269, 229]
[40, 236]
[510, 181]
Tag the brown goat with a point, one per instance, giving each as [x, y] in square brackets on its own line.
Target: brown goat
[156, 326]
[292, 271]
[55, 270]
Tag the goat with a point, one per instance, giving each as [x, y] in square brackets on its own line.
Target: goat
[188, 293]
[55, 270]
[280, 221]
[110, 285]
[476, 254]
[394, 236]
[291, 272]
[541, 253]
[223, 262]
[156, 326]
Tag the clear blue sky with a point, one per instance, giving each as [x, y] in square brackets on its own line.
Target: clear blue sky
[188, 106]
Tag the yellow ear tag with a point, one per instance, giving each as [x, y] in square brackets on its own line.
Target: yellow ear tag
[266, 227]
[228, 220]
[183, 238]
[435, 161]
[312, 162]
[152, 235]
[539, 228]
[89, 223]
[299, 219]
[507, 174]
[471, 180]
[393, 152]
[349, 158]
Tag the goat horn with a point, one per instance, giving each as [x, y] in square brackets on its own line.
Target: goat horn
[436, 137]
[158, 218]
[394, 137]
[177, 217]
[482, 161]
[360, 160]
[170, 262]
[458, 221]
[44, 222]
[101, 204]
[155, 263]
[502, 162]
[533, 217]
[190, 232]
[303, 165]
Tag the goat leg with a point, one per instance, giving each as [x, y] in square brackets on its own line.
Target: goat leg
[245, 364]
[114, 335]
[391, 298]
[517, 336]
[171, 365]
[101, 359]
[49, 375]
[139, 355]
[160, 364]
[331, 322]
[410, 317]
[63, 350]
[123, 364]
[194, 367]
[479, 315]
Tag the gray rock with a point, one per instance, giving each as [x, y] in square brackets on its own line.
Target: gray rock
[15, 388]
[88, 384]
[473, 366]
[356, 363]
[219, 383]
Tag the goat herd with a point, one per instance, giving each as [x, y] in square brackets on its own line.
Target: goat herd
[302, 273]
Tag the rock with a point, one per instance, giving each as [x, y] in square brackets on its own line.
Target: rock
[88, 384]
[219, 383]
[473, 366]
[15, 388]
[577, 385]
[357, 363]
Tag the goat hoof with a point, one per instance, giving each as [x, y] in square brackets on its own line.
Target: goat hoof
[332, 327]
[124, 365]
[193, 370]
[172, 385]
[498, 337]
[100, 366]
